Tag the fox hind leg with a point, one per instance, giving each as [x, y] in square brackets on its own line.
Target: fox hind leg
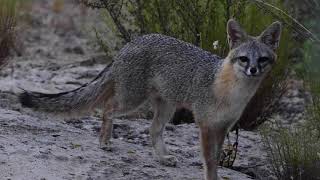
[114, 109]
[106, 128]
[163, 111]
[106, 133]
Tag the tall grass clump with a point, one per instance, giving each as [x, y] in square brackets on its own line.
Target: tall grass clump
[294, 152]
[7, 28]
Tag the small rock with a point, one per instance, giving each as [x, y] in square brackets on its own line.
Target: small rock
[75, 50]
[62, 158]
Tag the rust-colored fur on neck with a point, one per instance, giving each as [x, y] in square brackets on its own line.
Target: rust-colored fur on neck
[224, 83]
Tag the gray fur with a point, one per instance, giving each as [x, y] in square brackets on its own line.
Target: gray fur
[164, 65]
[170, 73]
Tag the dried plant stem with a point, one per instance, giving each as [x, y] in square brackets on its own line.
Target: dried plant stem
[313, 36]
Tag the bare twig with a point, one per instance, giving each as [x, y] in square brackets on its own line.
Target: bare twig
[114, 13]
[162, 18]
[313, 37]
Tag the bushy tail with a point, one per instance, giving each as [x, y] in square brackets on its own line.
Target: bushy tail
[80, 100]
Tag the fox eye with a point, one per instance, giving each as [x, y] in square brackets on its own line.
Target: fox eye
[263, 60]
[243, 59]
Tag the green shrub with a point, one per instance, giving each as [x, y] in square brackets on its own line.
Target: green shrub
[295, 152]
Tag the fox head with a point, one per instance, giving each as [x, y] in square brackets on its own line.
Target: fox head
[252, 57]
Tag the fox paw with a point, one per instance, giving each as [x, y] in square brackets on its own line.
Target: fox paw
[169, 160]
[105, 146]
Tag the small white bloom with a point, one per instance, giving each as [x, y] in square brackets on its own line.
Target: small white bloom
[215, 44]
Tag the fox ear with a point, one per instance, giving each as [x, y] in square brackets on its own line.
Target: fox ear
[236, 34]
[271, 36]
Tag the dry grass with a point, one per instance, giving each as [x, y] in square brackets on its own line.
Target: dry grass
[294, 152]
[58, 6]
[7, 28]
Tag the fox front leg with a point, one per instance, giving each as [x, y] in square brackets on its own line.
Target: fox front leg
[211, 138]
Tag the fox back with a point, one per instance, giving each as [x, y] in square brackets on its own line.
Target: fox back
[180, 72]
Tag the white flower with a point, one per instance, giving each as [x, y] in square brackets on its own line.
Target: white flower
[215, 44]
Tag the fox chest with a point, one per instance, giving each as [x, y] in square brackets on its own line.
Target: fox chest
[230, 103]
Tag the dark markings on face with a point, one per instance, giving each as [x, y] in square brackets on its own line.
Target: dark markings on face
[253, 57]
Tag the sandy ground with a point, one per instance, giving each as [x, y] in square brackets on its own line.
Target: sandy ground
[57, 56]
[45, 148]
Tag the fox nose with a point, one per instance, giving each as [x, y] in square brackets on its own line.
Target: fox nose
[253, 70]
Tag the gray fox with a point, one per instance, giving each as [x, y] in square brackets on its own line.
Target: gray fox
[171, 73]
